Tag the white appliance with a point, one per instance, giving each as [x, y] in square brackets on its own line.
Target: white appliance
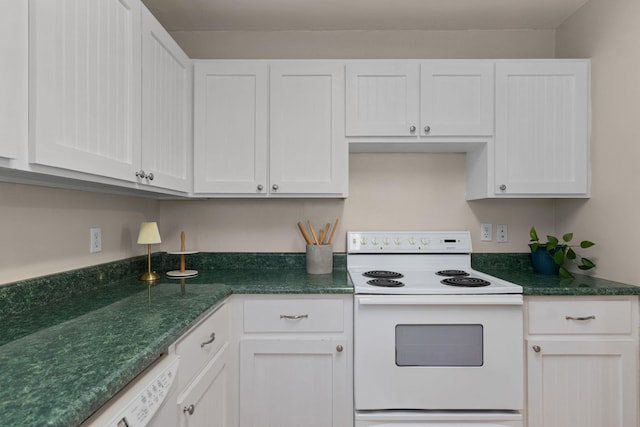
[435, 342]
[149, 400]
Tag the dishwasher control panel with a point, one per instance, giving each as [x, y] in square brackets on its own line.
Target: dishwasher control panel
[136, 405]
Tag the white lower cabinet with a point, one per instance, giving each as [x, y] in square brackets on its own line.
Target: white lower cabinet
[205, 401]
[582, 361]
[204, 397]
[296, 361]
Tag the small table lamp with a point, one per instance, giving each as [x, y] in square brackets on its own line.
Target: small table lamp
[149, 235]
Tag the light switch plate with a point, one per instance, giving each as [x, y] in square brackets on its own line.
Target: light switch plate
[501, 233]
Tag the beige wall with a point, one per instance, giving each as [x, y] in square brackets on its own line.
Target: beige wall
[608, 31]
[387, 192]
[367, 44]
[47, 230]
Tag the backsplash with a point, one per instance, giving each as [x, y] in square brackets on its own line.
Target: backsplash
[32, 293]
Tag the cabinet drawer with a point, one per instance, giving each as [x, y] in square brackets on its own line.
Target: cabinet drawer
[294, 315]
[192, 350]
[580, 317]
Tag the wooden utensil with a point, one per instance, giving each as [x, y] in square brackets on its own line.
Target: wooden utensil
[321, 235]
[313, 233]
[325, 234]
[304, 233]
[333, 231]
[182, 263]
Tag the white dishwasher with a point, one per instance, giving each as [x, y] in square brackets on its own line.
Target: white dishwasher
[148, 400]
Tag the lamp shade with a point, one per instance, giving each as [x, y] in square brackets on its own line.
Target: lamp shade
[149, 234]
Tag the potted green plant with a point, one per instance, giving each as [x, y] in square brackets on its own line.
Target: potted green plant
[550, 257]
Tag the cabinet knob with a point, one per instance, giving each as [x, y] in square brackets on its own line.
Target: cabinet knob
[339, 349]
[412, 129]
[189, 409]
[536, 348]
[150, 176]
[427, 129]
[140, 174]
[260, 187]
[503, 187]
[274, 187]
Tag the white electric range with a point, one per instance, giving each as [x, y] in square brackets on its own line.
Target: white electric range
[434, 341]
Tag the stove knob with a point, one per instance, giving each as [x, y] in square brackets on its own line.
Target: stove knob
[412, 241]
[397, 241]
[374, 241]
[424, 241]
[363, 241]
[386, 241]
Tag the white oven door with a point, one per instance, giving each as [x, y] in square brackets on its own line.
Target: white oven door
[438, 352]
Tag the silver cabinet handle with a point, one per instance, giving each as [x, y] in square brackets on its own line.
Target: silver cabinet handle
[140, 174]
[339, 349]
[503, 187]
[536, 348]
[212, 338]
[275, 187]
[260, 187]
[189, 409]
[294, 316]
[150, 176]
[412, 129]
[427, 129]
[592, 317]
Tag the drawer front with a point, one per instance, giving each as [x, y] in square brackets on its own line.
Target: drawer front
[196, 348]
[294, 315]
[580, 317]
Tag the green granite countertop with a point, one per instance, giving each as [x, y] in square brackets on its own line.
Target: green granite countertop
[63, 359]
[516, 268]
[69, 342]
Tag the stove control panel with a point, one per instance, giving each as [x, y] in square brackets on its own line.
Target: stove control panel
[408, 242]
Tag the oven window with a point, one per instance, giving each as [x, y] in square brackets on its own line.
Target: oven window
[439, 345]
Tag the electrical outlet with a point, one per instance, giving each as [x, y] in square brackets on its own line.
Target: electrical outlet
[485, 232]
[501, 233]
[95, 239]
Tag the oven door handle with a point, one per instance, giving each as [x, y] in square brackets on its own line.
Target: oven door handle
[515, 299]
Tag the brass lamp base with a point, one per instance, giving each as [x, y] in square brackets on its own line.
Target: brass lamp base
[149, 276]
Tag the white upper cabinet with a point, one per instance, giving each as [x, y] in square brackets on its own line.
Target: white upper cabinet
[426, 98]
[456, 98]
[542, 128]
[14, 84]
[270, 129]
[230, 127]
[85, 94]
[308, 152]
[382, 98]
[166, 109]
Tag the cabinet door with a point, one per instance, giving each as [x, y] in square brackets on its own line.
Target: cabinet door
[456, 98]
[166, 108]
[308, 150]
[542, 128]
[230, 127]
[382, 99]
[14, 71]
[205, 403]
[293, 383]
[582, 383]
[86, 85]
